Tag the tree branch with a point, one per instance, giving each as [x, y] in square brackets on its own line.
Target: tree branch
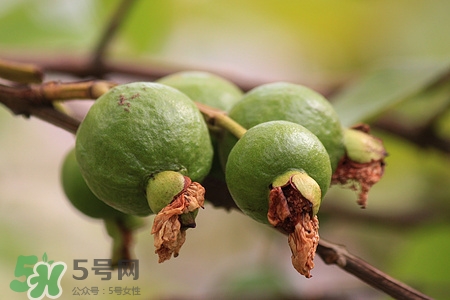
[109, 33]
[20, 72]
[338, 255]
[37, 100]
[81, 66]
[423, 137]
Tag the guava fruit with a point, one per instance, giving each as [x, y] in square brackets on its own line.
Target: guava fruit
[79, 194]
[289, 102]
[134, 132]
[211, 90]
[205, 88]
[277, 173]
[119, 226]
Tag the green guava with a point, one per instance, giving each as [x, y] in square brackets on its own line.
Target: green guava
[119, 226]
[79, 194]
[135, 131]
[267, 151]
[212, 90]
[205, 88]
[277, 173]
[288, 102]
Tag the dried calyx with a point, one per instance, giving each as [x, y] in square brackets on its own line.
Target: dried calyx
[363, 164]
[294, 201]
[176, 200]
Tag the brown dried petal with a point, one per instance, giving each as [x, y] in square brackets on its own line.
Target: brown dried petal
[291, 213]
[358, 176]
[167, 231]
[361, 174]
[303, 243]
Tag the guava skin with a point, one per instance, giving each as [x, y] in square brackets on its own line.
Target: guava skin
[134, 131]
[80, 195]
[205, 88]
[288, 102]
[267, 151]
[209, 89]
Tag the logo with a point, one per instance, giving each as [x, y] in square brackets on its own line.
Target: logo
[42, 278]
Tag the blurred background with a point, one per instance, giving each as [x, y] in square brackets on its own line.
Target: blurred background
[335, 47]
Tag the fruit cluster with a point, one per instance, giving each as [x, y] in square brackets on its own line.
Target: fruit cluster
[145, 147]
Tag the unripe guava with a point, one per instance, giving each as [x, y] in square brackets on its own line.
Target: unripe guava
[288, 102]
[277, 173]
[209, 89]
[205, 88]
[134, 131]
[267, 151]
[119, 226]
[79, 193]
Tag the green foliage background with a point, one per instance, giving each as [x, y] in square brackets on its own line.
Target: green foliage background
[389, 53]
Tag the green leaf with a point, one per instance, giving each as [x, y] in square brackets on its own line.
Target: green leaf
[44, 257]
[423, 107]
[385, 87]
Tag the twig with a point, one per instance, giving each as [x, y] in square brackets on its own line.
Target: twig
[82, 66]
[55, 117]
[422, 137]
[37, 100]
[110, 31]
[20, 72]
[50, 91]
[338, 255]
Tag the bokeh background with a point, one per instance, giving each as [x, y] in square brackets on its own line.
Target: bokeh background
[405, 230]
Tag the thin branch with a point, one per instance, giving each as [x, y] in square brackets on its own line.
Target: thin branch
[422, 137]
[82, 66]
[338, 255]
[37, 100]
[55, 117]
[20, 72]
[110, 31]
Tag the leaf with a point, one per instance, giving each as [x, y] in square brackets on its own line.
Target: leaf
[44, 257]
[50, 262]
[423, 107]
[385, 87]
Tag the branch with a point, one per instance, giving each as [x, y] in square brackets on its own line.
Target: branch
[110, 31]
[20, 72]
[338, 255]
[423, 137]
[37, 100]
[81, 66]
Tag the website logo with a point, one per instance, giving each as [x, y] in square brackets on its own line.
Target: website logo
[42, 278]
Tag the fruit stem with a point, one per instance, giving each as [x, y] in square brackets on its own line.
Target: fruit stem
[219, 118]
[121, 232]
